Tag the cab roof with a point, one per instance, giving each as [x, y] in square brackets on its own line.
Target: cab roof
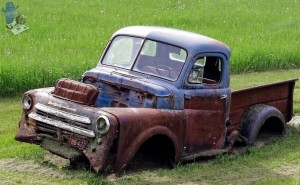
[192, 42]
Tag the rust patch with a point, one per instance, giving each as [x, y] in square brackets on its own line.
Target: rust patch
[26, 133]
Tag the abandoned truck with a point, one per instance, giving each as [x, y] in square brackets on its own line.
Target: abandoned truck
[161, 87]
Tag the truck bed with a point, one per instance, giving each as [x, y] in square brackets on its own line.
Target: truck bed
[279, 95]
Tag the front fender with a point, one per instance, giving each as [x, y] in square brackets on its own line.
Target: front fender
[138, 125]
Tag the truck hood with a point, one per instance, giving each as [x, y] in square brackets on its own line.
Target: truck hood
[122, 79]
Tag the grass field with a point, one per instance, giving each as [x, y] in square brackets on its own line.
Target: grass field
[67, 37]
[276, 163]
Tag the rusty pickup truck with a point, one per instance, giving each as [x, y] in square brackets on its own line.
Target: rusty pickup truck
[154, 87]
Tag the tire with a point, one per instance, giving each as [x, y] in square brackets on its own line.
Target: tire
[256, 117]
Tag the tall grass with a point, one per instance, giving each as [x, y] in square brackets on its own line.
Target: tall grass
[67, 37]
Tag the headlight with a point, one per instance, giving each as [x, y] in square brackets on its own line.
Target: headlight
[27, 102]
[103, 124]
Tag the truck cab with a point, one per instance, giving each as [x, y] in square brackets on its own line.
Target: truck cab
[161, 87]
[157, 70]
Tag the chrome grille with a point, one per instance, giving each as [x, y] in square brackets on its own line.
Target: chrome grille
[51, 120]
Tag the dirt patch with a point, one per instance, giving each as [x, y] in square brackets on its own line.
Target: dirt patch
[288, 170]
[146, 176]
[56, 161]
[155, 179]
[30, 166]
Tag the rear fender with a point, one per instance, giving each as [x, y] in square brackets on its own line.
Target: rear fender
[255, 118]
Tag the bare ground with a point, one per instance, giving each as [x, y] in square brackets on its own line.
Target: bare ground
[30, 166]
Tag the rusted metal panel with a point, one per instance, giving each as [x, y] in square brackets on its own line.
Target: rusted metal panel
[26, 133]
[205, 130]
[205, 124]
[138, 125]
[99, 149]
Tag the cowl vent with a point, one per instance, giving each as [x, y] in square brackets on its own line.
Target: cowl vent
[76, 91]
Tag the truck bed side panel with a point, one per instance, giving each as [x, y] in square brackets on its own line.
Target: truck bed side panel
[279, 95]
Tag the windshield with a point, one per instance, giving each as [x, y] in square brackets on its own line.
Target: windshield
[155, 58]
[122, 51]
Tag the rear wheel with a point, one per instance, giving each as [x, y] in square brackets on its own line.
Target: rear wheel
[262, 123]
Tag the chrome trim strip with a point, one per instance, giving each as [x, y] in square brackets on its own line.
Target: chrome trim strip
[62, 125]
[62, 114]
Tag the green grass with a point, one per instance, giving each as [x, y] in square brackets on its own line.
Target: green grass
[67, 37]
[9, 117]
[277, 163]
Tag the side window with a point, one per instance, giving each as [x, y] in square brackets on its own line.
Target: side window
[206, 70]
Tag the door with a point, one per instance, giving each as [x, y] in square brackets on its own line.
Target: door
[206, 104]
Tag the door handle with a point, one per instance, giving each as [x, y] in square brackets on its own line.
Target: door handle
[223, 97]
[187, 97]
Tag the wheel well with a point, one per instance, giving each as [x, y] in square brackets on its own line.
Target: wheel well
[159, 144]
[272, 125]
[262, 122]
[157, 151]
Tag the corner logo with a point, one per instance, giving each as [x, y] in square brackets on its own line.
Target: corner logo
[14, 21]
